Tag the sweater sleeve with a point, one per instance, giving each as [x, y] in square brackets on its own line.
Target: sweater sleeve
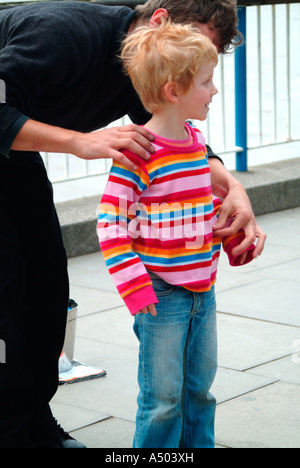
[11, 122]
[230, 242]
[117, 217]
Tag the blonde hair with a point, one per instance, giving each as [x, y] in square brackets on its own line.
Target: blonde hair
[169, 52]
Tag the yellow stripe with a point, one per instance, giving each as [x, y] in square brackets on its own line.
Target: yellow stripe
[163, 253]
[130, 291]
[175, 159]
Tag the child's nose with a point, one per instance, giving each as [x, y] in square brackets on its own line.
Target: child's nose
[214, 91]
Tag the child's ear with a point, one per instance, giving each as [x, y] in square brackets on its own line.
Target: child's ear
[171, 91]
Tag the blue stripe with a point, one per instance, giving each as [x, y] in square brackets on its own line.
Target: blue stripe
[176, 260]
[130, 176]
[124, 258]
[178, 167]
[182, 214]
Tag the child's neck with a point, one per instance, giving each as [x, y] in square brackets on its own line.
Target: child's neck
[167, 125]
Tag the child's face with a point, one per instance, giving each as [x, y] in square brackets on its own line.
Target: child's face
[195, 103]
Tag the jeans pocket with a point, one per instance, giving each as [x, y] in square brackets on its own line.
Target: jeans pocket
[162, 288]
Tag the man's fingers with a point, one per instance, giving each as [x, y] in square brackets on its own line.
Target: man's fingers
[261, 240]
[222, 220]
[136, 139]
[247, 242]
[243, 258]
[121, 158]
[137, 129]
[250, 239]
[129, 143]
[236, 225]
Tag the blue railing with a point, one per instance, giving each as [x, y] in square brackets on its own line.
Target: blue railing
[241, 81]
[241, 132]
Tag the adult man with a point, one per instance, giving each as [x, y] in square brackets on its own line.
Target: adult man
[63, 80]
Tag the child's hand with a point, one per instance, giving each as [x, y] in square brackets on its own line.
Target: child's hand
[149, 309]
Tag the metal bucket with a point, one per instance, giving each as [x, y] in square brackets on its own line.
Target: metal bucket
[69, 344]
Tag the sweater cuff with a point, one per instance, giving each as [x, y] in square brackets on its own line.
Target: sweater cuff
[10, 135]
[229, 243]
[141, 298]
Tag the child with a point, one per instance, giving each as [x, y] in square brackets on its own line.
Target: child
[155, 231]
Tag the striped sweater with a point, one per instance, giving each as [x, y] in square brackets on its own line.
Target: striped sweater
[159, 219]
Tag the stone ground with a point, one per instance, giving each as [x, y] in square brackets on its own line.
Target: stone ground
[258, 381]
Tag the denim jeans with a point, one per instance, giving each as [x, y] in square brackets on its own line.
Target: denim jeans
[177, 367]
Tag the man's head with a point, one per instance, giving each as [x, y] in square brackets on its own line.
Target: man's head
[218, 16]
[155, 56]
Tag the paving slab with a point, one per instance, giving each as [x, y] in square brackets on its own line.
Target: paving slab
[90, 271]
[266, 418]
[112, 433]
[230, 384]
[272, 300]
[92, 301]
[72, 416]
[245, 343]
[286, 369]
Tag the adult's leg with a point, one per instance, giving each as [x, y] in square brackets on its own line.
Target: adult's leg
[48, 286]
[43, 294]
[15, 372]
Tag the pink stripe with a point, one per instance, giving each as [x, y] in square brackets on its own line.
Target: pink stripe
[133, 271]
[176, 186]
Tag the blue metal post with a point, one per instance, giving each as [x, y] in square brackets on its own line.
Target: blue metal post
[241, 96]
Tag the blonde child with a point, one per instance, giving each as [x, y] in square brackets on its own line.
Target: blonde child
[155, 230]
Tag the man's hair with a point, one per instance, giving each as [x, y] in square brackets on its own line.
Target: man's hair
[221, 15]
[152, 57]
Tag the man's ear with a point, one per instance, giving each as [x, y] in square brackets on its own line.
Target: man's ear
[158, 16]
[171, 91]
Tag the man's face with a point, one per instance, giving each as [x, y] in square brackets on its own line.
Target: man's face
[208, 31]
[205, 29]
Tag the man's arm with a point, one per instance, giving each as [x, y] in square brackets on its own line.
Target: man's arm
[107, 143]
[236, 205]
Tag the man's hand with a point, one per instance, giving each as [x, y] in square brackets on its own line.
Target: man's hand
[109, 143]
[149, 309]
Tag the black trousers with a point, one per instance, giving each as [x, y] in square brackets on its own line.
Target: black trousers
[34, 293]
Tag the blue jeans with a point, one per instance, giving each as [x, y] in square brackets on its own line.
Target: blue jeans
[177, 367]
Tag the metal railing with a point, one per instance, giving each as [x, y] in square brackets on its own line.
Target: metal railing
[257, 105]
[241, 80]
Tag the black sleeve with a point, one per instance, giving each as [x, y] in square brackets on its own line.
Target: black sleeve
[211, 154]
[11, 122]
[31, 64]
[137, 113]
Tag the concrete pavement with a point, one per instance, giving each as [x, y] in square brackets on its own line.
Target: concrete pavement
[258, 381]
